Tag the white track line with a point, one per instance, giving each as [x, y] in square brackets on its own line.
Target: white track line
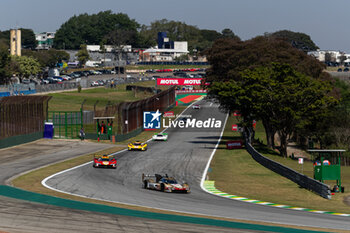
[43, 182]
[211, 157]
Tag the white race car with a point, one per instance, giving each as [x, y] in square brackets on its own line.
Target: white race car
[196, 106]
[160, 137]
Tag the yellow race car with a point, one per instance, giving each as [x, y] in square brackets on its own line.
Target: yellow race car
[137, 145]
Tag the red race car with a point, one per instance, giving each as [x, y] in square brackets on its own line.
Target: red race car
[105, 161]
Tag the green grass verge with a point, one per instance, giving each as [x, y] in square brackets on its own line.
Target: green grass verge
[236, 172]
[32, 181]
[72, 100]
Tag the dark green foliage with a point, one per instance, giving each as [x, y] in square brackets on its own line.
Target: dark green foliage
[266, 78]
[83, 55]
[92, 29]
[179, 31]
[47, 58]
[119, 29]
[298, 40]
[228, 57]
[333, 131]
[4, 63]
[27, 38]
[228, 33]
[284, 99]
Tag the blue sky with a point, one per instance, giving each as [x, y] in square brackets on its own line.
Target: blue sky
[327, 22]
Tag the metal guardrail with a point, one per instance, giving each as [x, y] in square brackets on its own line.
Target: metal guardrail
[298, 178]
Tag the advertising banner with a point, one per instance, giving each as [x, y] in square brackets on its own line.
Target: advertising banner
[234, 144]
[179, 81]
[190, 91]
[234, 127]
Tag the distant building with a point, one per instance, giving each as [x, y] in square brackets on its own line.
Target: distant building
[166, 50]
[108, 48]
[330, 56]
[110, 57]
[45, 40]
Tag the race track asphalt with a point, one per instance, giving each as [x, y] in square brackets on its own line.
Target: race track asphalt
[19, 216]
[184, 156]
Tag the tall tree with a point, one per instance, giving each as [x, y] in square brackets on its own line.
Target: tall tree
[26, 66]
[228, 57]
[228, 33]
[179, 31]
[297, 39]
[92, 29]
[47, 58]
[83, 55]
[284, 99]
[4, 63]
[27, 38]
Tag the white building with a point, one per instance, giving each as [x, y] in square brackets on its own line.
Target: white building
[335, 56]
[45, 40]
[108, 48]
[156, 54]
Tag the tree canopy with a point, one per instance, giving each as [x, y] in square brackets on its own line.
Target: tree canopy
[284, 99]
[83, 55]
[4, 63]
[117, 29]
[268, 79]
[47, 58]
[25, 66]
[92, 29]
[228, 57]
[297, 39]
[179, 31]
[27, 38]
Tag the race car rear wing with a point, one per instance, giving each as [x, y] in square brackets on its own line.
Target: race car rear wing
[100, 156]
[156, 176]
[144, 176]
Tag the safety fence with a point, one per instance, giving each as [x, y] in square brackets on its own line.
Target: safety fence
[17, 89]
[127, 117]
[130, 115]
[298, 178]
[56, 87]
[25, 115]
[67, 124]
[139, 88]
[22, 115]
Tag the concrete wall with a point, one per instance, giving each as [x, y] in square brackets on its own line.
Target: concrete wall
[20, 139]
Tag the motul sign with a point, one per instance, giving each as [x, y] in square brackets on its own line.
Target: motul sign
[179, 81]
[168, 114]
[234, 144]
[234, 127]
